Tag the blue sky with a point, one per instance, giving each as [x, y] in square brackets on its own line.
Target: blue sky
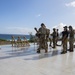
[21, 16]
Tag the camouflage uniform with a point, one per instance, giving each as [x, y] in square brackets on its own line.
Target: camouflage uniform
[57, 37]
[13, 41]
[19, 42]
[64, 40]
[43, 38]
[54, 34]
[71, 38]
[50, 39]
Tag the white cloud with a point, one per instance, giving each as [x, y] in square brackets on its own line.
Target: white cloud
[71, 4]
[22, 30]
[61, 25]
[17, 30]
[38, 15]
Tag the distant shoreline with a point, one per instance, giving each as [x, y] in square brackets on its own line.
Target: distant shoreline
[8, 37]
[5, 42]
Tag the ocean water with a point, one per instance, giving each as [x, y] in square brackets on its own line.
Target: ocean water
[8, 36]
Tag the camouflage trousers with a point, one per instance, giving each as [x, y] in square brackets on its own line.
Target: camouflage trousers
[43, 43]
[71, 43]
[50, 39]
[64, 43]
[54, 42]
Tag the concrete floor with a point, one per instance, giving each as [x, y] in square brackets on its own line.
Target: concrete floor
[25, 61]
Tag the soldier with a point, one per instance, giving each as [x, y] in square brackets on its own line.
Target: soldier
[25, 42]
[64, 40]
[19, 42]
[54, 36]
[57, 36]
[71, 38]
[19, 39]
[13, 41]
[42, 38]
[50, 39]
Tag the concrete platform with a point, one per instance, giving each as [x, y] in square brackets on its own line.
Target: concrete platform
[25, 61]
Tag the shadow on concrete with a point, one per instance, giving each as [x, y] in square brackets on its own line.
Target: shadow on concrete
[29, 51]
[45, 55]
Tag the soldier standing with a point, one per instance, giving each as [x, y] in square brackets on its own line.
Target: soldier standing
[19, 42]
[64, 40]
[42, 38]
[71, 38]
[50, 39]
[54, 36]
[57, 38]
[13, 41]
